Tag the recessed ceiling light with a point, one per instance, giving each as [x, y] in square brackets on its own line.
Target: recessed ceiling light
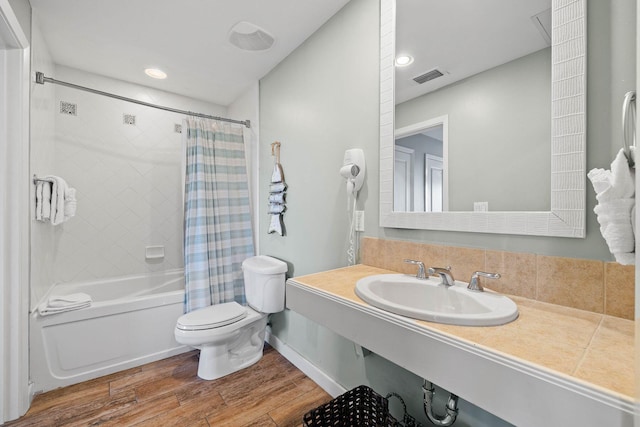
[155, 73]
[403, 60]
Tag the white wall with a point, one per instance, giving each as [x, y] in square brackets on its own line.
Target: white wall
[421, 145]
[14, 199]
[42, 155]
[128, 180]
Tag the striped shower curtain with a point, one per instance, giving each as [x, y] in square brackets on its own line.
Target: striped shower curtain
[217, 234]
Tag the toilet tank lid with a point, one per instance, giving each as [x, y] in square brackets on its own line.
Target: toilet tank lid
[264, 264]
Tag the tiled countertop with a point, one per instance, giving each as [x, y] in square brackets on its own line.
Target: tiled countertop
[585, 346]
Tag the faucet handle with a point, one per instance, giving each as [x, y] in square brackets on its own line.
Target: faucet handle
[444, 273]
[420, 264]
[474, 283]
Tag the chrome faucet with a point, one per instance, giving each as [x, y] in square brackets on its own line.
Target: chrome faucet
[444, 273]
[474, 283]
[420, 264]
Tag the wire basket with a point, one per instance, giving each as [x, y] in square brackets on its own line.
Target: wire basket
[360, 406]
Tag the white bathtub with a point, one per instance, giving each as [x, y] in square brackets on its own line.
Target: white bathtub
[130, 323]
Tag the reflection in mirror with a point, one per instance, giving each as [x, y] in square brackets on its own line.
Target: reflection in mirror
[420, 169]
[563, 210]
[494, 80]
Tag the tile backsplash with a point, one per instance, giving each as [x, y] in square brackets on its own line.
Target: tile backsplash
[597, 286]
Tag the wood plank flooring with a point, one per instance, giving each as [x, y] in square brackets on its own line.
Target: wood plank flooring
[272, 392]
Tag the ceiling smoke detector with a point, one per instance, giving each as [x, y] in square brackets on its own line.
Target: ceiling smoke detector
[247, 36]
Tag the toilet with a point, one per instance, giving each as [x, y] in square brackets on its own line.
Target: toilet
[230, 336]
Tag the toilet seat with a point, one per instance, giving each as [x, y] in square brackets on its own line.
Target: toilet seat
[212, 317]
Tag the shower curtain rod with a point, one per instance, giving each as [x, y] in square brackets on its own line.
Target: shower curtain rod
[41, 79]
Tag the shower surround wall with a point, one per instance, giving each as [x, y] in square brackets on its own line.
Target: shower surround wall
[41, 160]
[127, 176]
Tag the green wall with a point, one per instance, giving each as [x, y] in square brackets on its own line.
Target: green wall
[322, 100]
[502, 113]
[610, 74]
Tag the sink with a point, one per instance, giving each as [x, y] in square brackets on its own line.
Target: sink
[427, 299]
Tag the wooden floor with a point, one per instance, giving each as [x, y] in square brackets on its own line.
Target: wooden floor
[272, 392]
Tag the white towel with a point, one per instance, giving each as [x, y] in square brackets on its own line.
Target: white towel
[276, 198]
[39, 201]
[70, 203]
[63, 200]
[62, 303]
[276, 208]
[615, 192]
[277, 175]
[46, 200]
[276, 225]
[277, 188]
[58, 187]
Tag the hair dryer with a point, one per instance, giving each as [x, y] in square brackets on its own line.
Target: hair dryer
[353, 169]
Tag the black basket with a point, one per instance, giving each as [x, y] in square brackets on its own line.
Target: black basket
[358, 407]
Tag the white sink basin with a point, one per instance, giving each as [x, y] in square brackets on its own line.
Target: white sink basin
[429, 300]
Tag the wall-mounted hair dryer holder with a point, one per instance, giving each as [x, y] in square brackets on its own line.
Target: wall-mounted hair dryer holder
[353, 169]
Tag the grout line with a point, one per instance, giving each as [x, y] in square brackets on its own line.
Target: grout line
[586, 350]
[536, 291]
[604, 288]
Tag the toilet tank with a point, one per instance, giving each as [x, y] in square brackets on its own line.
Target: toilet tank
[264, 283]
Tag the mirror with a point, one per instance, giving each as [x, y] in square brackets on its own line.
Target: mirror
[421, 178]
[496, 86]
[563, 182]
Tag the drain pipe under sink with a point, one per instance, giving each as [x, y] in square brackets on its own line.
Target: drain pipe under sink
[451, 408]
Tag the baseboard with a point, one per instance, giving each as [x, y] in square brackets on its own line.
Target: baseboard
[323, 380]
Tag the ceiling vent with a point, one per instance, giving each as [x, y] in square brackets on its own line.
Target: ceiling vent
[429, 75]
[246, 36]
[542, 22]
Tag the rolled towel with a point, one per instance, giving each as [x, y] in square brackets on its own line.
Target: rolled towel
[615, 192]
[619, 183]
[615, 222]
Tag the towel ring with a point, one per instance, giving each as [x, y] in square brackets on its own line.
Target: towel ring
[629, 126]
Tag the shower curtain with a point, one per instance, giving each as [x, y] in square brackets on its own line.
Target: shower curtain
[217, 233]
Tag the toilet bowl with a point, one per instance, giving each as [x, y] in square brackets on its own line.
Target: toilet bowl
[230, 336]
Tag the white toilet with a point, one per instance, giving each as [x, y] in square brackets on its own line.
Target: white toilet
[229, 336]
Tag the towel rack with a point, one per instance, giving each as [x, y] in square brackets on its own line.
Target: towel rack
[36, 179]
[629, 126]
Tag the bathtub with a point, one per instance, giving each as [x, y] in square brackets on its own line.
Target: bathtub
[130, 323]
